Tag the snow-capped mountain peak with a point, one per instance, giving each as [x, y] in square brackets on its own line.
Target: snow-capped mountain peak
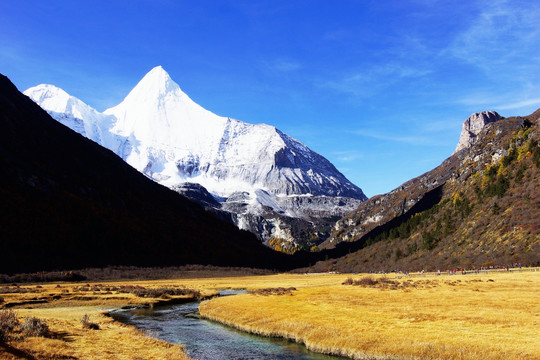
[75, 114]
[57, 100]
[156, 83]
[157, 111]
[164, 134]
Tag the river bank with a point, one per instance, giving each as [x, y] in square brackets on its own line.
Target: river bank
[208, 340]
[64, 307]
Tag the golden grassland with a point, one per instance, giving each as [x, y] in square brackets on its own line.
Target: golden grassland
[487, 316]
[492, 316]
[62, 306]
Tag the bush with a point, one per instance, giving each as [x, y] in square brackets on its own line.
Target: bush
[34, 327]
[8, 322]
[429, 241]
[164, 292]
[87, 324]
[520, 173]
[272, 291]
[366, 281]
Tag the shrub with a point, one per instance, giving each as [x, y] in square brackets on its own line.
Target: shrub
[34, 327]
[272, 291]
[366, 281]
[163, 292]
[520, 173]
[495, 209]
[372, 282]
[8, 322]
[87, 324]
[429, 241]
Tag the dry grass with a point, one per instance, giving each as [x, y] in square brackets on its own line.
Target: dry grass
[494, 316]
[68, 339]
[67, 309]
[487, 316]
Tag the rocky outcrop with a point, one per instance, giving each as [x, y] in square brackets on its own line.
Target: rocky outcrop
[197, 193]
[473, 126]
[381, 209]
[272, 219]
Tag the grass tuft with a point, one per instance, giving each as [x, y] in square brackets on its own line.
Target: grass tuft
[87, 324]
[8, 322]
[33, 326]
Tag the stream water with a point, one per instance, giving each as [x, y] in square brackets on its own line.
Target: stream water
[207, 340]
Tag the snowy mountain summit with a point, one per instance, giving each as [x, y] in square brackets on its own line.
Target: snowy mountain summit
[164, 134]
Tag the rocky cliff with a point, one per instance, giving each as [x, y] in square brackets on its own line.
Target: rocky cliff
[473, 126]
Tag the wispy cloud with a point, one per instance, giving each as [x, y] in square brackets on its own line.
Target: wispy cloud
[370, 81]
[424, 140]
[504, 36]
[518, 100]
[336, 35]
[520, 104]
[282, 65]
[348, 155]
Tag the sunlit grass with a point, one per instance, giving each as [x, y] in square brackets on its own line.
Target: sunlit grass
[493, 316]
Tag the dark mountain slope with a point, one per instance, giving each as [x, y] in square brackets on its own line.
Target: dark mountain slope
[480, 207]
[66, 202]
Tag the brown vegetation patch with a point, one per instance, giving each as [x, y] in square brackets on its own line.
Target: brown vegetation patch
[273, 291]
[395, 284]
[33, 326]
[18, 290]
[87, 324]
[8, 322]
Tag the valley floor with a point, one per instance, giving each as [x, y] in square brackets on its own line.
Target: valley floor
[492, 315]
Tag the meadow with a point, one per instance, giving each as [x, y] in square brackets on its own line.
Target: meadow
[476, 316]
[484, 316]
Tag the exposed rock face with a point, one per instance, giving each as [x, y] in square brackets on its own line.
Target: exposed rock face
[380, 209]
[197, 193]
[274, 221]
[472, 127]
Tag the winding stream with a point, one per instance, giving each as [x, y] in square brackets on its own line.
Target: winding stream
[207, 340]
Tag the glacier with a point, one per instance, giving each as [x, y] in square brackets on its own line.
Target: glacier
[164, 134]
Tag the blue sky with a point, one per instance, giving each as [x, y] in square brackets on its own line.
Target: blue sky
[380, 88]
